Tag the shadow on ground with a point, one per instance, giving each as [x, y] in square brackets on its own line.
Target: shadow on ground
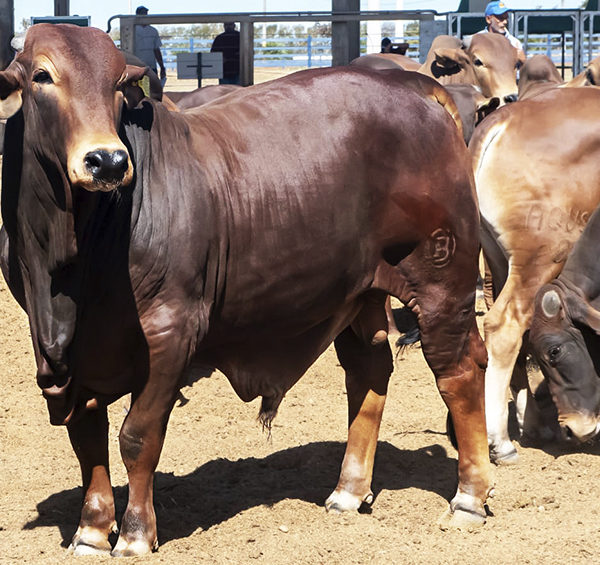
[220, 489]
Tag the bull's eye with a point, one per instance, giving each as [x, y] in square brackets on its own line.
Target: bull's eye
[553, 354]
[478, 63]
[42, 77]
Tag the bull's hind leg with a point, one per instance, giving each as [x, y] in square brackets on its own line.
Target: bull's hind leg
[455, 352]
[368, 365]
[461, 386]
[89, 438]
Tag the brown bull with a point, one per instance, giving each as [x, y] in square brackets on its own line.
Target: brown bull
[287, 214]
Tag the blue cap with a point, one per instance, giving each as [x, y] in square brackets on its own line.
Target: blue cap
[496, 8]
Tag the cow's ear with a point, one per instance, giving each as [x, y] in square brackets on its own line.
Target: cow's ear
[134, 84]
[11, 90]
[486, 107]
[592, 74]
[581, 311]
[450, 58]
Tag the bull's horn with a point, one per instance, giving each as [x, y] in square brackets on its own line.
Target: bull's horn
[551, 303]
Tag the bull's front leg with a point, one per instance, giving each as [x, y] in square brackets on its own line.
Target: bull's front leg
[141, 439]
[89, 438]
[368, 368]
[143, 433]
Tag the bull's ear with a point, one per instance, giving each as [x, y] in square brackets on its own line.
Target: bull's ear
[449, 58]
[592, 73]
[134, 84]
[11, 91]
[583, 312]
[486, 107]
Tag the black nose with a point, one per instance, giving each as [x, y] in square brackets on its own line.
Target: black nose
[106, 165]
[510, 98]
[568, 433]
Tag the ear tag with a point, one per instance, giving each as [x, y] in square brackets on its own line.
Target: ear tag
[145, 85]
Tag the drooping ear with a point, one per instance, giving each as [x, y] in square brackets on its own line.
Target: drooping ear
[11, 90]
[448, 58]
[486, 107]
[592, 73]
[132, 85]
[582, 311]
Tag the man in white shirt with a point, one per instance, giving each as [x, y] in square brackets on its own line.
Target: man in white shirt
[496, 18]
[147, 45]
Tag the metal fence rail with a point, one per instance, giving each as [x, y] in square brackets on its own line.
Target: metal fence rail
[569, 37]
[305, 51]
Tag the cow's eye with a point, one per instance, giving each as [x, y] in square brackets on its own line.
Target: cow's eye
[42, 77]
[478, 63]
[553, 354]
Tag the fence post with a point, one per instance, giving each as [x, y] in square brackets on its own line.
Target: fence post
[7, 30]
[309, 50]
[191, 44]
[246, 53]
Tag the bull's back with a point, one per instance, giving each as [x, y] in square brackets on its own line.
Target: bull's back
[334, 161]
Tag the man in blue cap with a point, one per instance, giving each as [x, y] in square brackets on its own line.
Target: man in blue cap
[496, 18]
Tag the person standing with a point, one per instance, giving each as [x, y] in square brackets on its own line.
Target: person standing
[228, 43]
[147, 45]
[496, 19]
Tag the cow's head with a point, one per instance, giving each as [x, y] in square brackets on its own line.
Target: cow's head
[495, 63]
[564, 334]
[71, 83]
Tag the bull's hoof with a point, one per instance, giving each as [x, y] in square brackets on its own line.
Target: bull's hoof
[343, 501]
[90, 541]
[133, 548]
[463, 520]
[84, 549]
[466, 513]
[504, 454]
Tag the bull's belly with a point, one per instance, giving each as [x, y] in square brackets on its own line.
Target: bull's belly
[267, 363]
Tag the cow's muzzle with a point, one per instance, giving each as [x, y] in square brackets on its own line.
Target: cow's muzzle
[107, 166]
[581, 428]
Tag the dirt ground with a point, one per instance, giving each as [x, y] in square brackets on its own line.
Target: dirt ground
[225, 493]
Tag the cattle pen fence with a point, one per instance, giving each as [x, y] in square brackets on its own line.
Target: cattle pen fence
[570, 37]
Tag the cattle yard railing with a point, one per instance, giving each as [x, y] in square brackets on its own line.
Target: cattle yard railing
[300, 51]
[569, 37]
[341, 49]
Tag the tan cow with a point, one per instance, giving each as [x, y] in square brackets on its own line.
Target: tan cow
[537, 171]
[489, 62]
[379, 61]
[589, 77]
[537, 75]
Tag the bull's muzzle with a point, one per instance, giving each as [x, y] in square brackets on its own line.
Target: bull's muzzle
[104, 168]
[107, 166]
